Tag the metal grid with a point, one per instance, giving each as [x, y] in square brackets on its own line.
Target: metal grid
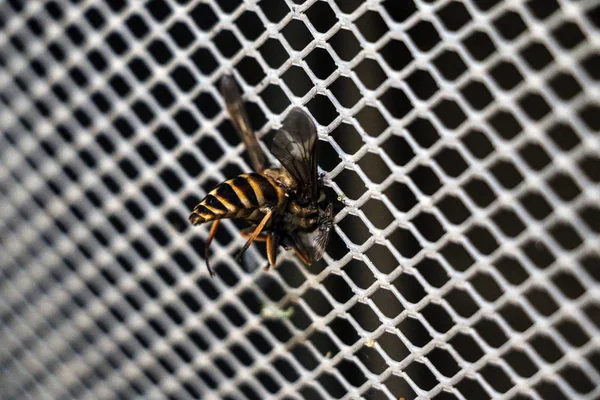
[463, 137]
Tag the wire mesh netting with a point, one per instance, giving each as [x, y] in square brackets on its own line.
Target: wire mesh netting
[461, 136]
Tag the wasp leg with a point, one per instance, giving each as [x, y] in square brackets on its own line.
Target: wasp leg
[272, 245]
[255, 234]
[211, 235]
[247, 232]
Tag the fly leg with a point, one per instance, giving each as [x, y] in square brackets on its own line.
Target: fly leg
[255, 234]
[302, 254]
[211, 235]
[300, 249]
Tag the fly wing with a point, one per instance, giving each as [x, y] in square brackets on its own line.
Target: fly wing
[239, 118]
[322, 238]
[320, 244]
[294, 145]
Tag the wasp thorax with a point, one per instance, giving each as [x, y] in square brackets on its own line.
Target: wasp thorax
[282, 177]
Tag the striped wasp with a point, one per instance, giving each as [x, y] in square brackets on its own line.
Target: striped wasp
[283, 204]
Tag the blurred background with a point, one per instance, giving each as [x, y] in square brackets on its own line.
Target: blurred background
[461, 138]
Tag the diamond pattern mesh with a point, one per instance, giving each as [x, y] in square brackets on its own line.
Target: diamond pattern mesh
[462, 137]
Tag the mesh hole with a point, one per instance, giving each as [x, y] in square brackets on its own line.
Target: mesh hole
[565, 86]
[566, 236]
[491, 332]
[204, 17]
[454, 16]
[589, 115]
[479, 45]
[345, 91]
[423, 132]
[486, 5]
[543, 9]
[250, 70]
[424, 35]
[399, 387]
[591, 217]
[345, 44]
[486, 286]
[462, 302]
[338, 288]
[568, 35]
[414, 331]
[564, 186]
[396, 54]
[466, 347]
[275, 99]
[400, 11]
[297, 34]
[297, 80]
[421, 375]
[374, 167]
[370, 73]
[428, 226]
[516, 317]
[321, 16]
[387, 303]
[320, 63]
[273, 53]
[344, 330]
[356, 230]
[275, 10]
[438, 318]
[228, 6]
[510, 25]
[433, 272]
[508, 222]
[443, 362]
[450, 64]
[393, 346]
[480, 192]
[577, 379]
[331, 384]
[371, 25]
[137, 26]
[458, 257]
[359, 273]
[536, 205]
[347, 137]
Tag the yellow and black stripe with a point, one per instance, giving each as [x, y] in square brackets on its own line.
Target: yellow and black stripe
[238, 198]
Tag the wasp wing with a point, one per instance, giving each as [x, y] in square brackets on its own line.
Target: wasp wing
[239, 118]
[294, 145]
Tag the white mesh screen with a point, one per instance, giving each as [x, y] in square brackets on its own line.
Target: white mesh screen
[462, 136]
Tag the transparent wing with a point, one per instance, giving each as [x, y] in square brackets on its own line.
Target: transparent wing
[320, 244]
[322, 238]
[294, 145]
[239, 118]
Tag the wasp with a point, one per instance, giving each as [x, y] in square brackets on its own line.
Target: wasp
[283, 204]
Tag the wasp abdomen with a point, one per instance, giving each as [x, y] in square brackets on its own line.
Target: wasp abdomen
[238, 198]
